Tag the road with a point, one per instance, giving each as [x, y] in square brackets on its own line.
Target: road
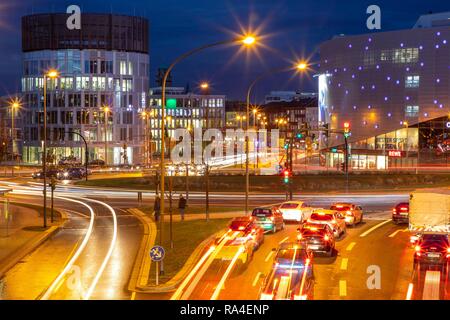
[377, 244]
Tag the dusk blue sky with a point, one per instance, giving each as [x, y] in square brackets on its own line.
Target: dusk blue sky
[294, 28]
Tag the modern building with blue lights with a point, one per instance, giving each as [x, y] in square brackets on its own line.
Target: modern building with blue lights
[394, 90]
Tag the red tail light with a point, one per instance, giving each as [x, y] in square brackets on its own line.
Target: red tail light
[299, 237]
[417, 249]
[403, 209]
[326, 238]
[394, 210]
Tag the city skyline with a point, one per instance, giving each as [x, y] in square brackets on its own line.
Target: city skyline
[227, 77]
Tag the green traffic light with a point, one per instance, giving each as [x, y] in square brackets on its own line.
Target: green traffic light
[286, 180]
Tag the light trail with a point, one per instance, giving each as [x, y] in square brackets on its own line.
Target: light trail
[226, 274]
[110, 250]
[410, 291]
[80, 249]
[180, 289]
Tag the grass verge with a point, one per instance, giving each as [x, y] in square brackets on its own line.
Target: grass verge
[187, 235]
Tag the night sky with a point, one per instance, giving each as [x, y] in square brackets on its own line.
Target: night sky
[290, 29]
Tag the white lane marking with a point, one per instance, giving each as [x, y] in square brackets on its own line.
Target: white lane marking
[410, 291]
[284, 240]
[80, 249]
[374, 228]
[393, 234]
[268, 256]
[344, 264]
[255, 282]
[110, 250]
[350, 246]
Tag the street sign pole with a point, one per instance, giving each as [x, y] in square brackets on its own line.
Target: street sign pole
[157, 273]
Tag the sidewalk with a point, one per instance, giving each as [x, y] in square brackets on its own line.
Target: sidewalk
[20, 233]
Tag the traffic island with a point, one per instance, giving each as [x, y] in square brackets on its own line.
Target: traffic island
[190, 238]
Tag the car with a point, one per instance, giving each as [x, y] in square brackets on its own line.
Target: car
[291, 276]
[297, 211]
[400, 214]
[334, 219]
[243, 234]
[318, 238]
[96, 162]
[353, 213]
[432, 249]
[51, 173]
[268, 218]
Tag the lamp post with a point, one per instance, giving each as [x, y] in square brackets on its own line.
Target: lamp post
[248, 41]
[302, 66]
[14, 106]
[205, 91]
[52, 74]
[106, 110]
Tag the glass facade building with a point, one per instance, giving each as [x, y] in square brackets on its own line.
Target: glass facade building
[105, 64]
[394, 90]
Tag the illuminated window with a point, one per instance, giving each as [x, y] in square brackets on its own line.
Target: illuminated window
[412, 81]
[403, 55]
[411, 111]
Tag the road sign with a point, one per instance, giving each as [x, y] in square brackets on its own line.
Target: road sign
[157, 253]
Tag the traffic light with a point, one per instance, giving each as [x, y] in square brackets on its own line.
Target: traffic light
[286, 146]
[347, 129]
[299, 135]
[286, 174]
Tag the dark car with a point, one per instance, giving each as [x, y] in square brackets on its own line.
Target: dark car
[432, 249]
[292, 274]
[268, 218]
[73, 173]
[318, 238]
[400, 214]
[51, 173]
[97, 162]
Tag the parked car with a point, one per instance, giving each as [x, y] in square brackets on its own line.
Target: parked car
[334, 219]
[400, 214]
[297, 211]
[353, 213]
[96, 162]
[268, 218]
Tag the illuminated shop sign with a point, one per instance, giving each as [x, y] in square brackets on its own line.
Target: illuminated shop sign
[396, 153]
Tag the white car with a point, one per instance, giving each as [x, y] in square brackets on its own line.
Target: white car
[295, 211]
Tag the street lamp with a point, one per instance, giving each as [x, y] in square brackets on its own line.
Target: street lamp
[106, 110]
[205, 90]
[299, 67]
[248, 40]
[15, 105]
[51, 74]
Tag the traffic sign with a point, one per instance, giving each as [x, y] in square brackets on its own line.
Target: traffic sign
[157, 253]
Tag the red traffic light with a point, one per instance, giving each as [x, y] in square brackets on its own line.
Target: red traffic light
[346, 125]
[286, 173]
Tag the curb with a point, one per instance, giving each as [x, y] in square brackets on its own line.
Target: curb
[173, 283]
[31, 245]
[141, 268]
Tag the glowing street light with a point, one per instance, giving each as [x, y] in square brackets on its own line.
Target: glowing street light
[51, 74]
[106, 110]
[249, 40]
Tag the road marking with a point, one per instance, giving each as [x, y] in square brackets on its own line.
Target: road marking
[374, 228]
[350, 246]
[255, 282]
[285, 239]
[268, 256]
[410, 291]
[112, 245]
[72, 260]
[344, 263]
[342, 288]
[133, 295]
[393, 234]
[221, 284]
